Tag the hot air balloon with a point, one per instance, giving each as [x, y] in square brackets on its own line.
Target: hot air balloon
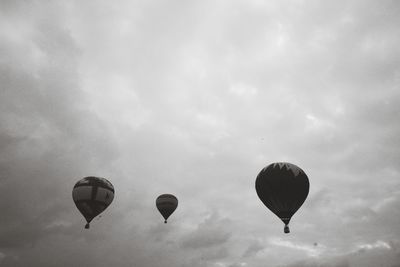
[92, 195]
[166, 205]
[283, 188]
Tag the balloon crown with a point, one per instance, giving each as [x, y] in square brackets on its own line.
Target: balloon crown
[289, 166]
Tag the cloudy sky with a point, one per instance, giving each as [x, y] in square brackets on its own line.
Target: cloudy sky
[194, 98]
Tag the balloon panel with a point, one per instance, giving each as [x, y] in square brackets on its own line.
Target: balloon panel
[166, 211]
[167, 197]
[82, 193]
[167, 202]
[90, 209]
[104, 195]
[95, 181]
[85, 208]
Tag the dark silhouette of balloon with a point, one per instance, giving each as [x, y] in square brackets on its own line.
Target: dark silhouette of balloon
[283, 188]
[166, 205]
[92, 195]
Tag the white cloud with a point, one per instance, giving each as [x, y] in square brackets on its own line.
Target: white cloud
[377, 244]
[243, 90]
[310, 250]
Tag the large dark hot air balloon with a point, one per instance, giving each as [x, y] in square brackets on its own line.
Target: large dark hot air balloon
[166, 205]
[283, 188]
[92, 195]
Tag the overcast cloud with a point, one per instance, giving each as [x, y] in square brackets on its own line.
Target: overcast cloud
[194, 98]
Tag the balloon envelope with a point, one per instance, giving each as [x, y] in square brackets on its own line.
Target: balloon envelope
[92, 195]
[283, 188]
[166, 205]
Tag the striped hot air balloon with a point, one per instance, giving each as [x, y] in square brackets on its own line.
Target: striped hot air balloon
[92, 195]
[283, 188]
[166, 205]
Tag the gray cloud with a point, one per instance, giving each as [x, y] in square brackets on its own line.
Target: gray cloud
[253, 248]
[48, 137]
[212, 232]
[376, 254]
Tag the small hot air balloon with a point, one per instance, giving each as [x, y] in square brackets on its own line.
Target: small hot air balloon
[166, 205]
[92, 195]
[283, 188]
